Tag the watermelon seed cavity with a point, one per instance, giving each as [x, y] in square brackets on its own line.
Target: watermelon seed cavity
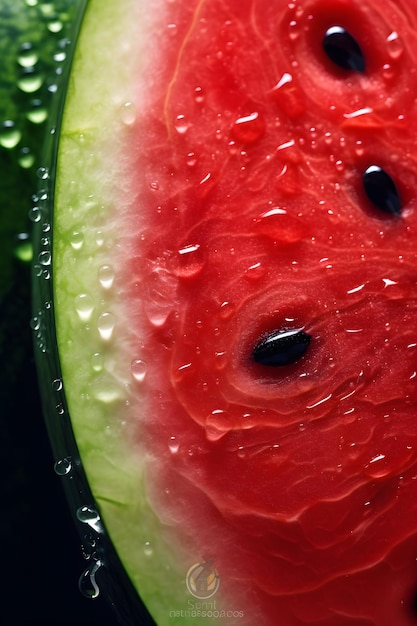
[381, 190]
[343, 49]
[281, 347]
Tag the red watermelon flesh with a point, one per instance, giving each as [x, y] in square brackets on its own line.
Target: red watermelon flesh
[248, 214]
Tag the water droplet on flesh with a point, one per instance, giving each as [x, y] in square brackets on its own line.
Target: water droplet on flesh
[181, 125]
[226, 310]
[128, 113]
[147, 549]
[249, 128]
[189, 261]
[173, 445]
[139, 369]
[395, 46]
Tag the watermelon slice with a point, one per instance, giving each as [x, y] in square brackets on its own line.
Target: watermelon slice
[234, 278]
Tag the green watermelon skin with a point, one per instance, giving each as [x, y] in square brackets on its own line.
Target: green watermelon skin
[225, 199]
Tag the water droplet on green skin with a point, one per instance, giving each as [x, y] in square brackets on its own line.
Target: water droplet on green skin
[24, 252]
[60, 57]
[47, 9]
[26, 159]
[42, 173]
[44, 257]
[55, 26]
[27, 55]
[37, 112]
[30, 80]
[89, 515]
[10, 135]
[35, 214]
[57, 384]
[63, 466]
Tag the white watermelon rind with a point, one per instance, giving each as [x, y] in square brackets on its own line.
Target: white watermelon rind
[97, 379]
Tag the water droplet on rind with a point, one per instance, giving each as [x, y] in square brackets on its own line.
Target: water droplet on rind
[87, 583]
[89, 515]
[84, 305]
[105, 325]
[57, 384]
[106, 276]
[63, 466]
[97, 362]
[77, 240]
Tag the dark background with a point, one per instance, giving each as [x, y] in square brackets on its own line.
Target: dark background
[40, 550]
[41, 558]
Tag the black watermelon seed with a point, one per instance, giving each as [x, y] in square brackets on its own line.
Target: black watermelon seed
[281, 347]
[381, 190]
[343, 49]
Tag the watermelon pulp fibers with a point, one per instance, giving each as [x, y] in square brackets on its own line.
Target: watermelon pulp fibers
[210, 191]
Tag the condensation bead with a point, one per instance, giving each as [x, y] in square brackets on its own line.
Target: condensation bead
[139, 369]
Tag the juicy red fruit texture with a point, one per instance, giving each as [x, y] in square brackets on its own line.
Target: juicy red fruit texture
[300, 481]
